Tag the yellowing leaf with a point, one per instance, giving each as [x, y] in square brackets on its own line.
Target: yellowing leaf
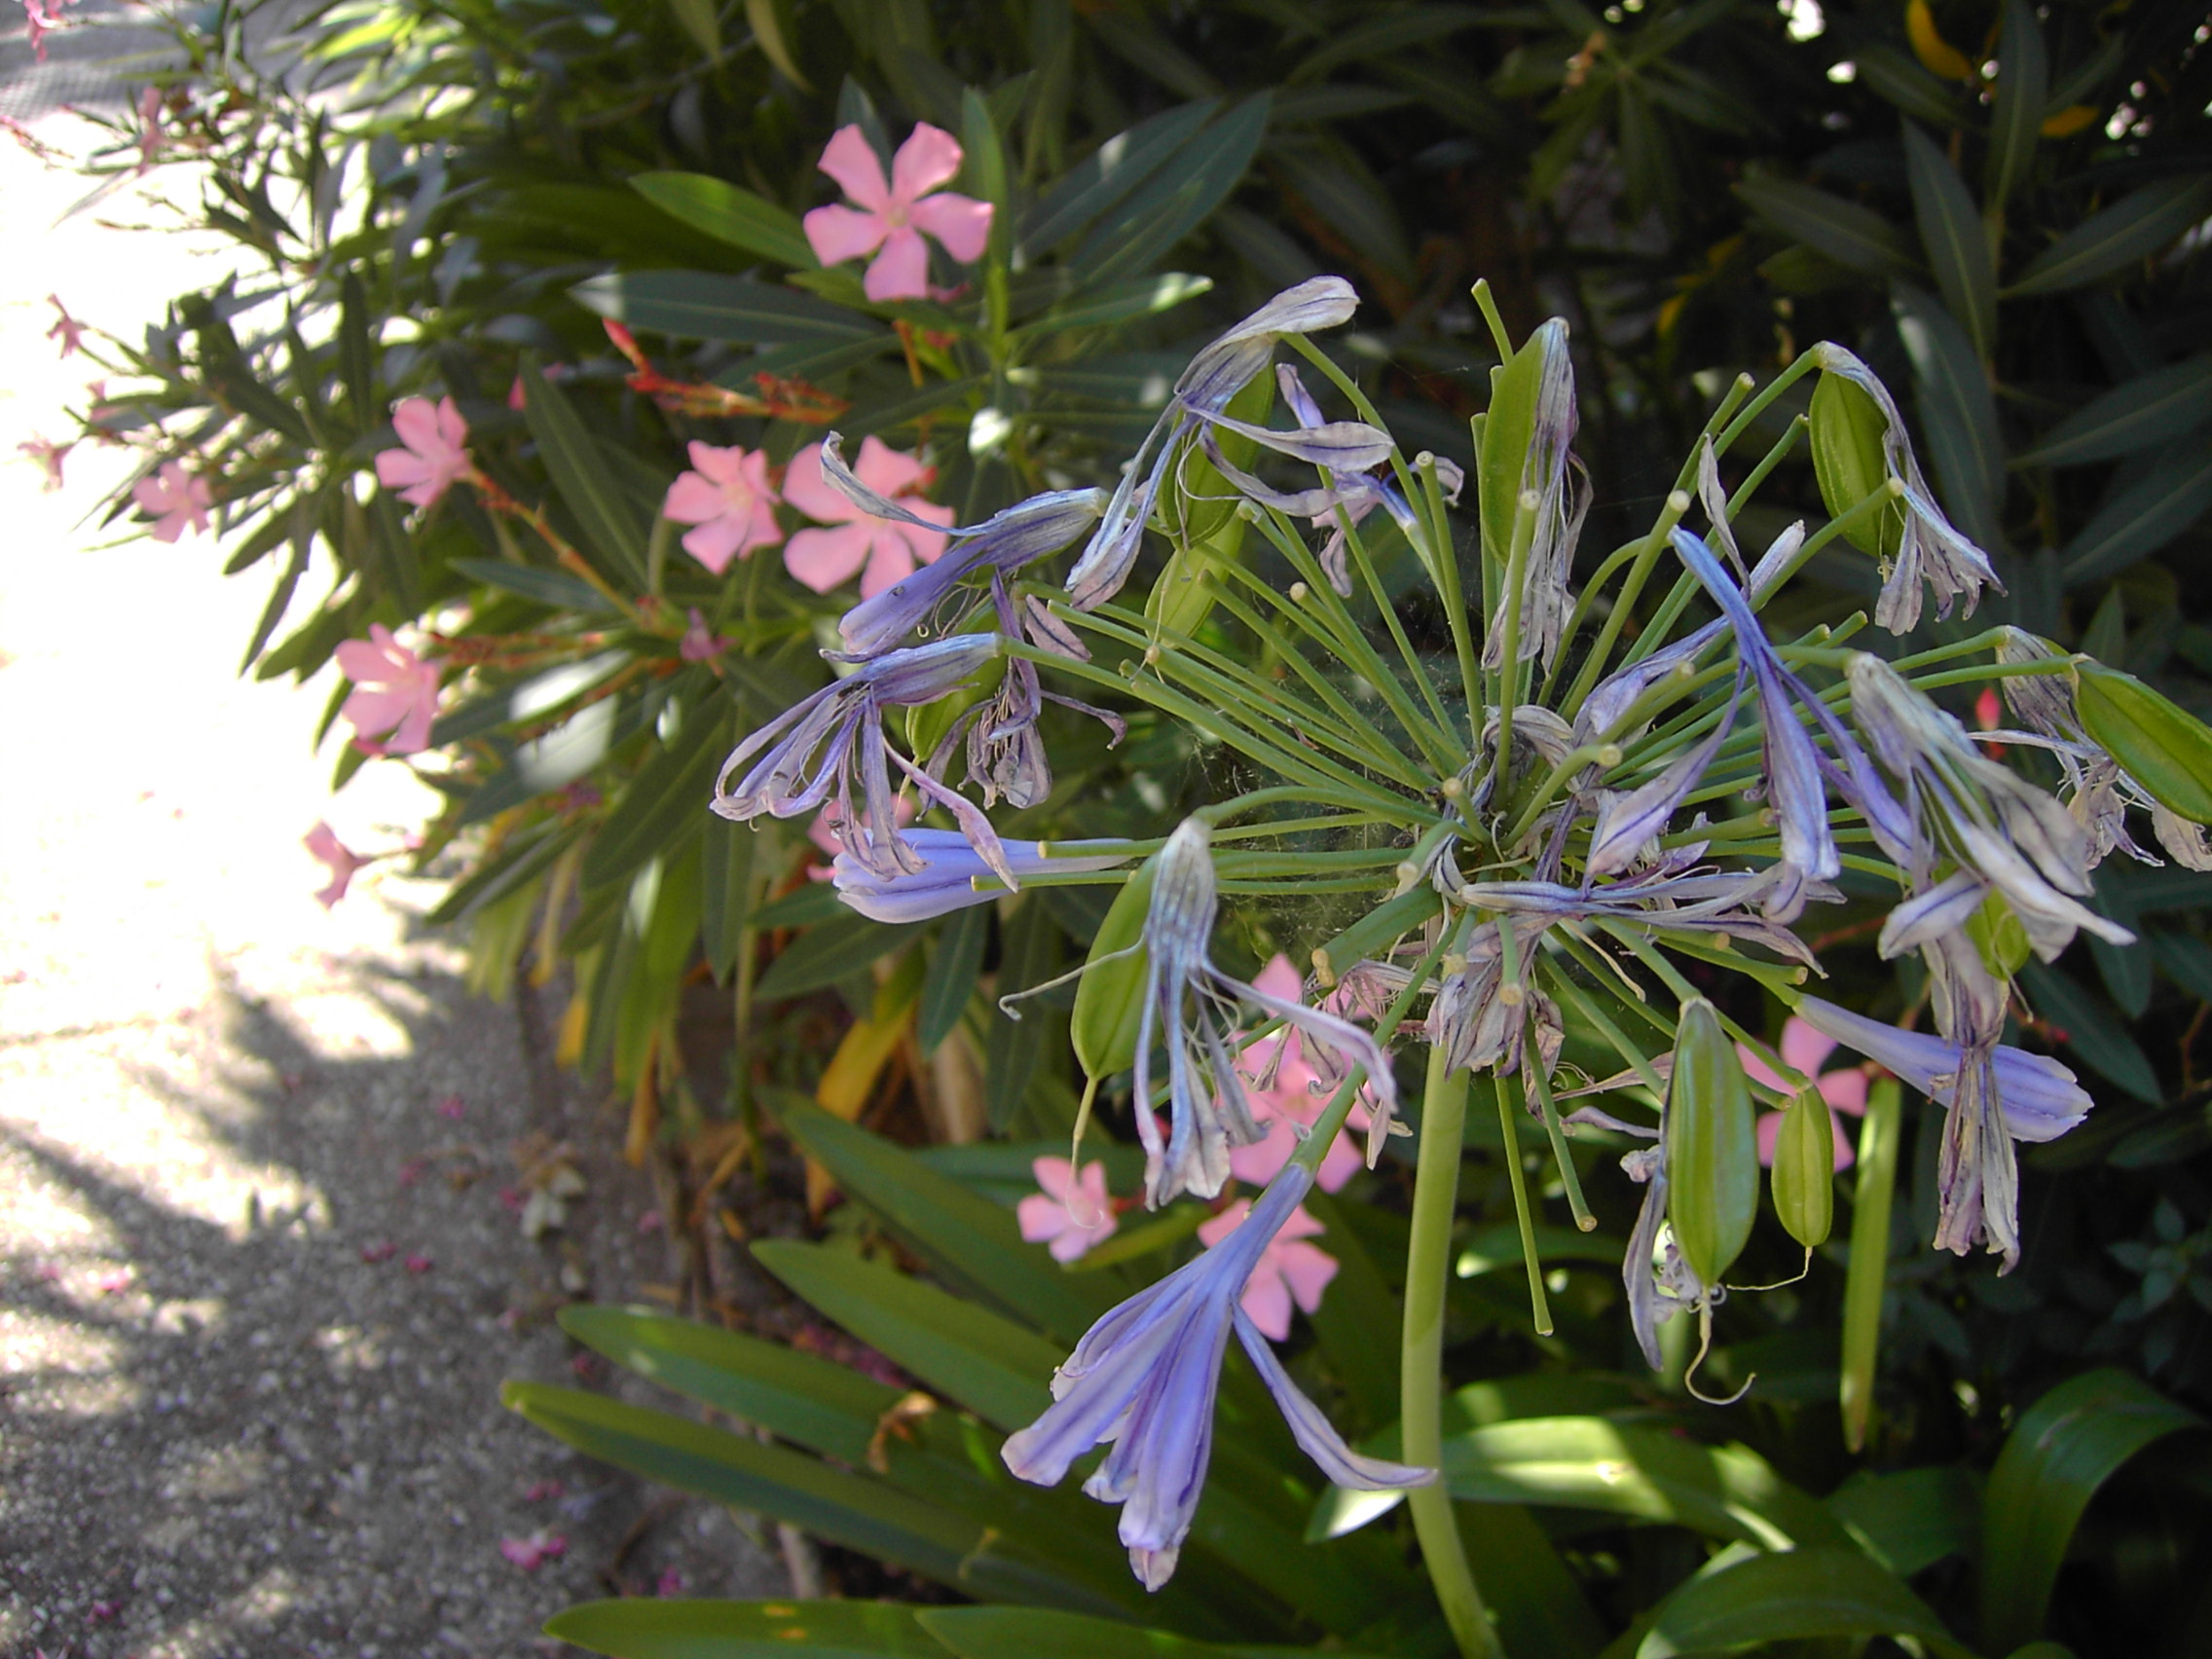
[2068, 121]
[1936, 54]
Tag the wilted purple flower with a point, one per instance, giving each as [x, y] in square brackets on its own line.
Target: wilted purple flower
[1357, 494]
[1554, 487]
[1189, 1006]
[1656, 1275]
[1994, 1094]
[949, 870]
[1144, 1376]
[826, 741]
[1667, 898]
[1933, 549]
[1217, 374]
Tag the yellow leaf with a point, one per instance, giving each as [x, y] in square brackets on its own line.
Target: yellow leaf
[571, 1046]
[1937, 55]
[851, 1076]
[2068, 121]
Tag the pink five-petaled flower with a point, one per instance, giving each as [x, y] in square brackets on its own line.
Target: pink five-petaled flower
[340, 860]
[433, 460]
[892, 215]
[1288, 1271]
[824, 558]
[535, 1551]
[1071, 1213]
[1289, 1101]
[66, 328]
[395, 691]
[1803, 1049]
[48, 455]
[727, 497]
[174, 498]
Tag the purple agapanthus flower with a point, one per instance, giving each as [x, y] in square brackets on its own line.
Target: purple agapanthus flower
[950, 870]
[1144, 1376]
[825, 743]
[1190, 1007]
[1217, 374]
[1353, 494]
[1555, 488]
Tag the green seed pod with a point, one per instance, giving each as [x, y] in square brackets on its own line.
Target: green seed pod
[1847, 432]
[1109, 998]
[1804, 1169]
[1713, 1153]
[2161, 746]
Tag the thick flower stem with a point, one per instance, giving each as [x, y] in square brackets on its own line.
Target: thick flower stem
[1436, 1190]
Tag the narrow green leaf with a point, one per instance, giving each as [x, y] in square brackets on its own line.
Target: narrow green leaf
[2092, 1032]
[1844, 231]
[2065, 1447]
[1791, 1597]
[824, 954]
[1958, 413]
[612, 536]
[1951, 235]
[953, 974]
[639, 1627]
[1866, 1275]
[2163, 747]
[356, 358]
[1895, 76]
[729, 215]
[967, 1239]
[1176, 200]
[529, 699]
[703, 23]
[516, 863]
[967, 1354]
[1140, 296]
[2144, 517]
[664, 804]
[1540, 1605]
[2134, 418]
[557, 590]
[2126, 969]
[2133, 228]
[2023, 87]
[704, 305]
[1108, 174]
[1014, 1042]
[1019, 1633]
[725, 864]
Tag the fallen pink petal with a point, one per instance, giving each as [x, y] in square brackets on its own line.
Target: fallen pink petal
[373, 1254]
[419, 1264]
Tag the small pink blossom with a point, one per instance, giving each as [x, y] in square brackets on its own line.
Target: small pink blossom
[115, 1281]
[174, 498]
[533, 1552]
[104, 1613]
[650, 1224]
[419, 1264]
[700, 643]
[66, 328]
[341, 861]
[451, 1107]
[586, 1366]
[378, 1253]
[43, 17]
[395, 691]
[894, 215]
[540, 1490]
[1291, 1100]
[1071, 1213]
[727, 498]
[48, 455]
[1803, 1049]
[1288, 1271]
[828, 832]
[822, 559]
[151, 134]
[669, 1583]
[433, 460]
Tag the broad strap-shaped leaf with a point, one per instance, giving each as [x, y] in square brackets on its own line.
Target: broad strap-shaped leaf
[556, 590]
[1123, 302]
[826, 953]
[706, 305]
[1177, 200]
[1107, 175]
[968, 1239]
[2134, 418]
[1952, 236]
[2065, 1447]
[731, 214]
[1958, 413]
[639, 1627]
[2133, 228]
[984, 1361]
[2142, 518]
[1791, 1597]
[1844, 231]
[725, 892]
[664, 804]
[611, 534]
[1911, 1520]
[2023, 84]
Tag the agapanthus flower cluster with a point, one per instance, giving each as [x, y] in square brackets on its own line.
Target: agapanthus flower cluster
[1550, 811]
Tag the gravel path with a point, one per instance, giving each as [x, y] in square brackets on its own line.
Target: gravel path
[260, 1268]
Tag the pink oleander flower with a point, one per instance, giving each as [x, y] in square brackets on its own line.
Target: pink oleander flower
[395, 691]
[43, 17]
[822, 559]
[48, 455]
[726, 494]
[433, 460]
[66, 328]
[1803, 1049]
[341, 861]
[1291, 1100]
[894, 215]
[151, 134]
[175, 501]
[1289, 1268]
[1071, 1213]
